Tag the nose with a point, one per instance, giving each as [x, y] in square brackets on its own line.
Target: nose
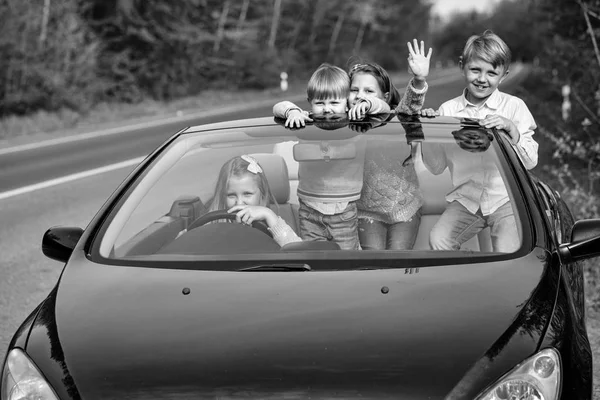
[239, 201]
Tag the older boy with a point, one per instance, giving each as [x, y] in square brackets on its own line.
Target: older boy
[481, 199]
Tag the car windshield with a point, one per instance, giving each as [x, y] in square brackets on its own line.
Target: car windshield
[398, 185]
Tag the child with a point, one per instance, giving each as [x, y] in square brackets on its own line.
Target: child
[389, 209]
[242, 188]
[327, 92]
[485, 63]
[479, 197]
[328, 191]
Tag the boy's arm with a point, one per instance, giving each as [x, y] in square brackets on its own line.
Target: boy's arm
[434, 157]
[282, 108]
[519, 129]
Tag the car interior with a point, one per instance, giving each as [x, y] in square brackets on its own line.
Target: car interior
[281, 169]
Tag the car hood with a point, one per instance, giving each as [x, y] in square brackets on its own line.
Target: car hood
[132, 332]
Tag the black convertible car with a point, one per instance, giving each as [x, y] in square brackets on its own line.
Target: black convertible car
[165, 295]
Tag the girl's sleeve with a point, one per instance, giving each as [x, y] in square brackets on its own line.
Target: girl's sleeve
[412, 99]
[282, 108]
[283, 233]
[378, 106]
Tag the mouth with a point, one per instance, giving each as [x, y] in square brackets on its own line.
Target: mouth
[480, 87]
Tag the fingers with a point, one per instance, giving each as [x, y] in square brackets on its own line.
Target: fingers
[411, 52]
[422, 47]
[429, 53]
[416, 46]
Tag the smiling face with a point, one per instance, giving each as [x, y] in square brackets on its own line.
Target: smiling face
[364, 85]
[481, 79]
[243, 190]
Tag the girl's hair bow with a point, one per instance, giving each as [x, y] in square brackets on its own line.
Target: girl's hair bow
[252, 164]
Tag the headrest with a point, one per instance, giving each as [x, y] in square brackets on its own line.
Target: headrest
[276, 171]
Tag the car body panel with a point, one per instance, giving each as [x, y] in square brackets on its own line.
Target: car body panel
[407, 324]
[290, 331]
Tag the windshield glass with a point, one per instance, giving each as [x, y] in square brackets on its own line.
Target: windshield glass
[374, 189]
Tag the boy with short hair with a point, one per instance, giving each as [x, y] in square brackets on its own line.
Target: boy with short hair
[481, 199]
[484, 64]
[328, 188]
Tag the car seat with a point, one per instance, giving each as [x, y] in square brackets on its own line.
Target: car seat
[276, 171]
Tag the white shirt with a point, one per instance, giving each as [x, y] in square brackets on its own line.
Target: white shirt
[476, 180]
[506, 106]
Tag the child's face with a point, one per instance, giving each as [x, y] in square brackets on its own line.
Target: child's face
[243, 190]
[329, 106]
[364, 85]
[481, 79]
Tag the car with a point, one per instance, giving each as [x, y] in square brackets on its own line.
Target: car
[162, 296]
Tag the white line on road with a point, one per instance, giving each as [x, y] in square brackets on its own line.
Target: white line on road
[127, 163]
[70, 178]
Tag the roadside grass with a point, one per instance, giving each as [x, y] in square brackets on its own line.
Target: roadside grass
[15, 129]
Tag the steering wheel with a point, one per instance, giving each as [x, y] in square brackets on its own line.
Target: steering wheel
[223, 214]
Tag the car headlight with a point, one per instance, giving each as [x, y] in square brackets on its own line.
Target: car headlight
[21, 379]
[537, 378]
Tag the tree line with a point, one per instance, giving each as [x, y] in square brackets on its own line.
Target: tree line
[75, 53]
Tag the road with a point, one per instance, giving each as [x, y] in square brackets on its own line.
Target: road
[27, 275]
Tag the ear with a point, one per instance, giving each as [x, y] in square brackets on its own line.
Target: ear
[504, 76]
[386, 96]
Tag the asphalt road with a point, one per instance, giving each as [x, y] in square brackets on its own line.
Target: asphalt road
[26, 274]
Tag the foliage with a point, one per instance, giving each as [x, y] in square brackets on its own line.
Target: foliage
[570, 147]
[48, 58]
[75, 53]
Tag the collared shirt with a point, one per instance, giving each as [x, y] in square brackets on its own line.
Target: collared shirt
[476, 180]
[506, 106]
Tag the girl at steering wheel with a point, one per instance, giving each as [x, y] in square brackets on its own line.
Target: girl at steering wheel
[242, 188]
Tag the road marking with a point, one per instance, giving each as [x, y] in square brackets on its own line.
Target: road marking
[168, 120]
[70, 178]
[126, 163]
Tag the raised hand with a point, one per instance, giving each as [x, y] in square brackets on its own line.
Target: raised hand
[418, 62]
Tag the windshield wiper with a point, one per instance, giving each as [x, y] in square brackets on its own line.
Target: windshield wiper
[277, 267]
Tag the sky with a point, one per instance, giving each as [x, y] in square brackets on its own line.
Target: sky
[445, 7]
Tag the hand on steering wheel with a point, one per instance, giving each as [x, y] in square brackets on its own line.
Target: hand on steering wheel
[223, 214]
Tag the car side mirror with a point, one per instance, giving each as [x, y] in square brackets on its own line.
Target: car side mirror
[585, 241]
[58, 242]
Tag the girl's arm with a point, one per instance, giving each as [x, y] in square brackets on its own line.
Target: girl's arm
[418, 65]
[413, 98]
[282, 232]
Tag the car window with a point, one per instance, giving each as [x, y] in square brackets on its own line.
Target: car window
[413, 193]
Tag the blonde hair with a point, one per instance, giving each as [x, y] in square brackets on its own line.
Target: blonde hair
[238, 167]
[488, 47]
[328, 82]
